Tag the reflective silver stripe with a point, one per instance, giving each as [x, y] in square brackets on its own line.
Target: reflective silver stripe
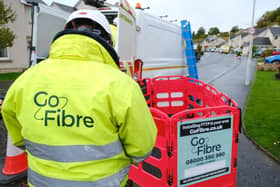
[38, 180]
[74, 153]
[140, 159]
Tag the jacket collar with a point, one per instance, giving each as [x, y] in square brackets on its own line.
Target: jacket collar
[84, 44]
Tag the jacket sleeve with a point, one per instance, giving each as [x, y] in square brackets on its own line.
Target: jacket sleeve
[10, 119]
[137, 129]
[1, 101]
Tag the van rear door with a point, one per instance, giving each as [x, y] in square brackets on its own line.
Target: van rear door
[160, 46]
[126, 36]
[47, 22]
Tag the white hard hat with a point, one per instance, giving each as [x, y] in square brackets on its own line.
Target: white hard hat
[93, 15]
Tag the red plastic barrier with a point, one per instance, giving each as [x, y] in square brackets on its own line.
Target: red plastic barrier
[174, 98]
[197, 140]
[222, 162]
[151, 172]
[201, 94]
[145, 85]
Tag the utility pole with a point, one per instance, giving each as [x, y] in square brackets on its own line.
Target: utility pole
[229, 39]
[251, 32]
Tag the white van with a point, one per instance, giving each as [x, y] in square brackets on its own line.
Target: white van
[147, 39]
[47, 22]
[147, 45]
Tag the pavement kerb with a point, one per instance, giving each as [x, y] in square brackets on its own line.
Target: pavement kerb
[258, 145]
[243, 124]
[251, 139]
[247, 135]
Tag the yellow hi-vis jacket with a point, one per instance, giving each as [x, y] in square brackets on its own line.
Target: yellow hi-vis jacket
[82, 120]
[114, 34]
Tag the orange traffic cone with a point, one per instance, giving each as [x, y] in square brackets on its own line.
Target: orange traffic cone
[15, 164]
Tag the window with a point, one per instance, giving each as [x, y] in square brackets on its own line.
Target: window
[4, 53]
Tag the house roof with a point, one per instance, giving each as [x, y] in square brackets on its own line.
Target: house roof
[244, 34]
[234, 35]
[259, 30]
[275, 31]
[262, 41]
[221, 44]
[211, 38]
[245, 44]
[63, 7]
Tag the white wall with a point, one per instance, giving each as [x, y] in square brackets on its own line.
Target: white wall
[19, 53]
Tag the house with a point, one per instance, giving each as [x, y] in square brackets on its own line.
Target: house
[208, 42]
[16, 58]
[263, 38]
[273, 33]
[236, 41]
[246, 37]
[275, 36]
[268, 37]
[212, 41]
[262, 42]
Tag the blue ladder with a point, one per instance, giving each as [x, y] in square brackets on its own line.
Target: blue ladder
[189, 50]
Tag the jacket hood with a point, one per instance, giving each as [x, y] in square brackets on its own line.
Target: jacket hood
[82, 45]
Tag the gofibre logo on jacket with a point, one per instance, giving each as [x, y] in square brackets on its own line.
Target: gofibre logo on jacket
[52, 109]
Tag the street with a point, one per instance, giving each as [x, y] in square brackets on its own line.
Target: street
[227, 74]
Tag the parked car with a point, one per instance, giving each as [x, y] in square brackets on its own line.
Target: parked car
[276, 52]
[225, 49]
[237, 51]
[259, 52]
[272, 59]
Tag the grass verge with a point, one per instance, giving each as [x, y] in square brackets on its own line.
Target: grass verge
[259, 59]
[262, 114]
[9, 76]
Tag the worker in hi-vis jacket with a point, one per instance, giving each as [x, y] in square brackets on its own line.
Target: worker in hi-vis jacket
[81, 120]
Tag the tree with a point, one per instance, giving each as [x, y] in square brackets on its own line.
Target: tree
[6, 35]
[201, 31]
[269, 18]
[200, 34]
[224, 35]
[213, 31]
[193, 34]
[234, 29]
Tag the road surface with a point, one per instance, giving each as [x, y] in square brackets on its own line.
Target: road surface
[227, 74]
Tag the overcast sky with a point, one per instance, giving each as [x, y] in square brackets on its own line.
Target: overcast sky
[223, 14]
